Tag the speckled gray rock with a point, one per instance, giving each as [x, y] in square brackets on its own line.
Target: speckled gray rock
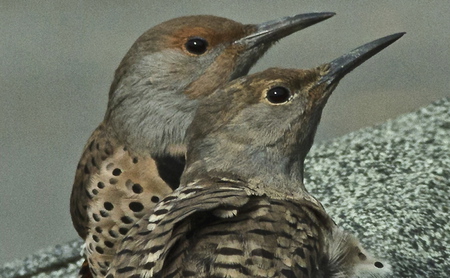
[388, 184]
[53, 262]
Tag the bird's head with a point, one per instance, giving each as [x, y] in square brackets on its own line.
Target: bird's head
[181, 60]
[266, 122]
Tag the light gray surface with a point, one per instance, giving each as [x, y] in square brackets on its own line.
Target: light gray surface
[58, 58]
[389, 184]
[60, 261]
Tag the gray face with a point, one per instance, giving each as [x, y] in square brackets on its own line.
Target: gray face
[157, 85]
[260, 126]
[246, 112]
[151, 104]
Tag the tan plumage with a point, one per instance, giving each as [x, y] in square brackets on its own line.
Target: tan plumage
[119, 185]
[136, 156]
[242, 209]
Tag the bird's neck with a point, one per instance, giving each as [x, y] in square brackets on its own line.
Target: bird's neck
[150, 118]
[267, 168]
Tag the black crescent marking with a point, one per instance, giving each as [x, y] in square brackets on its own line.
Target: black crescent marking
[170, 169]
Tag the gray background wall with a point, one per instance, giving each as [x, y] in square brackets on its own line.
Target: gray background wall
[58, 57]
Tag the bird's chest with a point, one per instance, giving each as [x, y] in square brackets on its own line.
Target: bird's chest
[122, 191]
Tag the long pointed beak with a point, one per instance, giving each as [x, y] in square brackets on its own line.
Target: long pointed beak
[348, 62]
[274, 30]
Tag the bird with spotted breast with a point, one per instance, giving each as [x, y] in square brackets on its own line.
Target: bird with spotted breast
[136, 155]
[241, 209]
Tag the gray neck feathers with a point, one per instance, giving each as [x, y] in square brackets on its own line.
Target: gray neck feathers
[263, 168]
[148, 111]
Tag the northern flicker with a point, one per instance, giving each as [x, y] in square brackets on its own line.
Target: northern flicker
[136, 155]
[242, 209]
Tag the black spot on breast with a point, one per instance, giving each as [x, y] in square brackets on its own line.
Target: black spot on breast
[99, 250]
[108, 206]
[100, 185]
[155, 199]
[113, 234]
[137, 188]
[123, 231]
[126, 220]
[170, 169]
[136, 206]
[96, 217]
[135, 160]
[378, 265]
[109, 244]
[116, 172]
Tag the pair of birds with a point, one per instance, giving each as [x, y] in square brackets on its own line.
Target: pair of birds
[197, 169]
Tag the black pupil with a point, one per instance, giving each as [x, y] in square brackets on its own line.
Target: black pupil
[278, 95]
[196, 46]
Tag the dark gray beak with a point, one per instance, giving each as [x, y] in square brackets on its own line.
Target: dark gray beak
[274, 30]
[348, 62]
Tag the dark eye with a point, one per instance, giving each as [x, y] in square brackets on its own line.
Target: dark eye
[278, 95]
[196, 46]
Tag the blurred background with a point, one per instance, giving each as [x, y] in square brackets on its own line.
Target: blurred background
[58, 59]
